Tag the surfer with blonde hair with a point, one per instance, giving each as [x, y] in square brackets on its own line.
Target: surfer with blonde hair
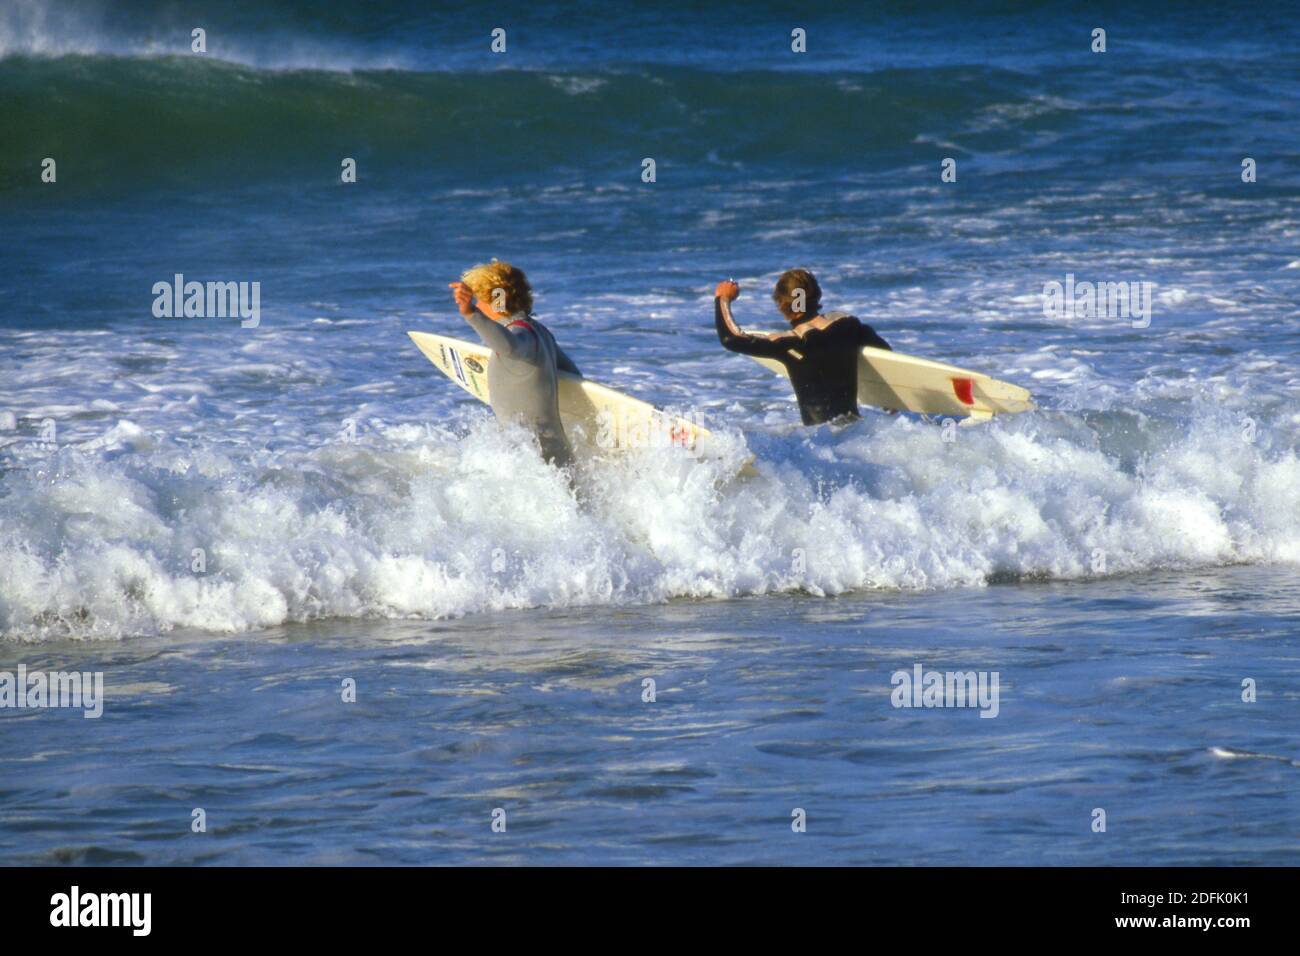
[523, 372]
[820, 352]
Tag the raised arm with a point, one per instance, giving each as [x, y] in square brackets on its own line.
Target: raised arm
[732, 336]
[493, 334]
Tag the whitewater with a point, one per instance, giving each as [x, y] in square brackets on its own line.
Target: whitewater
[437, 520]
[239, 527]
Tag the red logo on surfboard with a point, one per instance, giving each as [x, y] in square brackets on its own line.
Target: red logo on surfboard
[964, 389]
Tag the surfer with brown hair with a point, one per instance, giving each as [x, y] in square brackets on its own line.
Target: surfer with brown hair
[820, 352]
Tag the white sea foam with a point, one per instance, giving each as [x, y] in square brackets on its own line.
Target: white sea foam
[98, 540]
[45, 29]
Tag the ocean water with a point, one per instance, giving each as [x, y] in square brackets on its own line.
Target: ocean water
[1124, 557]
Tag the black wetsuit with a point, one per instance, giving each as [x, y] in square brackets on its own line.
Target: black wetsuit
[822, 363]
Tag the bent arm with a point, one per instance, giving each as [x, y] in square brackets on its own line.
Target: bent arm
[494, 335]
[564, 363]
[869, 337]
[735, 339]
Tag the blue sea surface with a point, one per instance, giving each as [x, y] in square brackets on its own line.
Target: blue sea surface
[1123, 558]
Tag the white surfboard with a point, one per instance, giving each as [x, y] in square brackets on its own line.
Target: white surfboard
[591, 412]
[898, 382]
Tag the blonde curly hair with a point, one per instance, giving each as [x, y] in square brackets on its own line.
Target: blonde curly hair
[486, 278]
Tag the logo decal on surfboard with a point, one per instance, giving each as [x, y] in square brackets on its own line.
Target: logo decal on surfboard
[456, 367]
[618, 421]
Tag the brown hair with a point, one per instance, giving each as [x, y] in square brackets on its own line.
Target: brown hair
[487, 277]
[791, 281]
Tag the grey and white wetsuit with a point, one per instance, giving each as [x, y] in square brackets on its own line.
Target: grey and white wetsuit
[523, 378]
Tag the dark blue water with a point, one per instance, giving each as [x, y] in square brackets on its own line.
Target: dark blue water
[1123, 696]
[1124, 557]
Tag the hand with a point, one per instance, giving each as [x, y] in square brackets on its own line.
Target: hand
[463, 296]
[727, 290]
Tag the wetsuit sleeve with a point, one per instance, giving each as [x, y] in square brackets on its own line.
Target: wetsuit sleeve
[733, 339]
[564, 363]
[868, 336]
[495, 336]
